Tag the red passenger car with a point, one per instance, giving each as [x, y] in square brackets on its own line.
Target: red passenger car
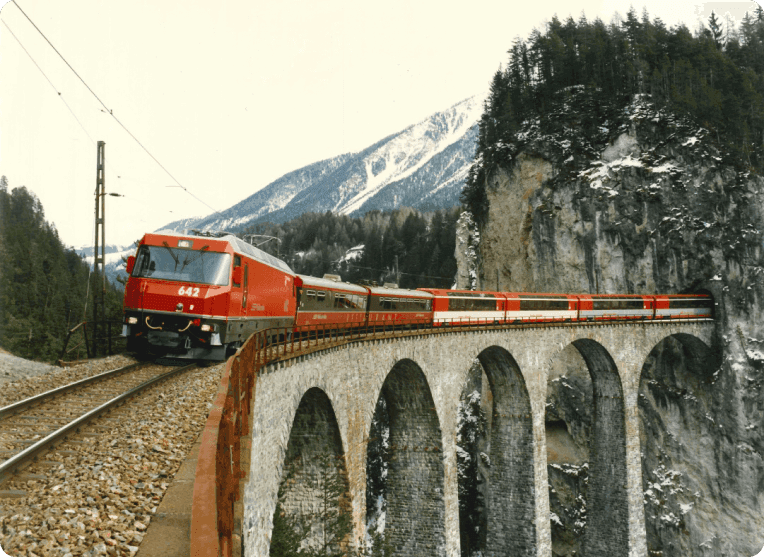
[533, 308]
[397, 306]
[200, 296]
[466, 306]
[683, 306]
[329, 302]
[602, 307]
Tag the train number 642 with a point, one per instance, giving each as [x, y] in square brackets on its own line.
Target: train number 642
[190, 291]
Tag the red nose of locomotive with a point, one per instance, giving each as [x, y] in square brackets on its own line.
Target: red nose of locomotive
[192, 299]
[181, 301]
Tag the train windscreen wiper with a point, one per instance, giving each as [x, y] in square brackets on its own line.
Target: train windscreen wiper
[186, 261]
[172, 254]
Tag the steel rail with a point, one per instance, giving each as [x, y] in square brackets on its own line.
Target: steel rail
[11, 409]
[10, 466]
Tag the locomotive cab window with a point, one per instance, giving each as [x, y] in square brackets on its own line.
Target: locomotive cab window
[236, 263]
[182, 265]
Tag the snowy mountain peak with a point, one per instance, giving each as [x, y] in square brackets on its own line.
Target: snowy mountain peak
[409, 151]
[423, 166]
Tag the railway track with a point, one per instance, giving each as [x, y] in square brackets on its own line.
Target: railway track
[96, 492]
[34, 425]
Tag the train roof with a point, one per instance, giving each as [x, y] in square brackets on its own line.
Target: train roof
[316, 282]
[238, 245]
[385, 291]
[463, 293]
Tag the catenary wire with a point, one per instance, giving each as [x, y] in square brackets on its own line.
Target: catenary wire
[110, 112]
[49, 81]
[58, 93]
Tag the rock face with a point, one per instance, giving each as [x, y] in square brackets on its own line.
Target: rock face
[660, 211]
[465, 253]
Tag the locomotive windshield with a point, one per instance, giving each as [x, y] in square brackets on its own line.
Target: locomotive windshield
[166, 263]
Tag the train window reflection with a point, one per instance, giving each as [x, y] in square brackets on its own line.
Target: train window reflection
[166, 263]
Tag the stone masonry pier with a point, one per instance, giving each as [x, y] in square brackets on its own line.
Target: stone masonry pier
[319, 408]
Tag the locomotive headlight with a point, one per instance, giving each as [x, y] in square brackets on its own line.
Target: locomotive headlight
[132, 320]
[208, 327]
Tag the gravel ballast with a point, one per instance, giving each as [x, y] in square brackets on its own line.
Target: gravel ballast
[96, 494]
[22, 378]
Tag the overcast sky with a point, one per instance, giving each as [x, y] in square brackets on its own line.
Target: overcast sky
[230, 96]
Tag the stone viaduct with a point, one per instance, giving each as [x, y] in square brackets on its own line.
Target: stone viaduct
[321, 406]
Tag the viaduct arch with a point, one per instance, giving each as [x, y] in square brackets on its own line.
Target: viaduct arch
[422, 377]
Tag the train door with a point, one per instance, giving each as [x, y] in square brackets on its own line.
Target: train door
[236, 286]
[245, 290]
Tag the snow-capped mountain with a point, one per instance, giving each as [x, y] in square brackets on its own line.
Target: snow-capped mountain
[112, 253]
[423, 166]
[114, 256]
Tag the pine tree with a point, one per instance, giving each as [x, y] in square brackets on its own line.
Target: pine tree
[471, 432]
[716, 29]
[42, 285]
[717, 83]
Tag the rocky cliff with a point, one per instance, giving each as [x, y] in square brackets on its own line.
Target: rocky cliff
[647, 205]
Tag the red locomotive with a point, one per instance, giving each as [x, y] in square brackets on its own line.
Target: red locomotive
[201, 297]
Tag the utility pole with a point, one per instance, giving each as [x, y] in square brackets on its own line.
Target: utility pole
[99, 261]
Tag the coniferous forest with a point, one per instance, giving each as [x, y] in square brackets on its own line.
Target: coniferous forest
[714, 77]
[43, 284]
[421, 245]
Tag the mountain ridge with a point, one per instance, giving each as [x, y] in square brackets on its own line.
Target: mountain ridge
[422, 166]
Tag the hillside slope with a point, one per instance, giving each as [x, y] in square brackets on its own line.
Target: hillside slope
[659, 209]
[423, 166]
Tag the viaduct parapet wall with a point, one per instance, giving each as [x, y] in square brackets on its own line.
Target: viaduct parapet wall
[334, 394]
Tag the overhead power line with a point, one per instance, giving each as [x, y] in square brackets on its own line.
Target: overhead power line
[49, 81]
[53, 85]
[109, 111]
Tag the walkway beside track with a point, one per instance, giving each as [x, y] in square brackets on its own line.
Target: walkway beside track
[169, 534]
